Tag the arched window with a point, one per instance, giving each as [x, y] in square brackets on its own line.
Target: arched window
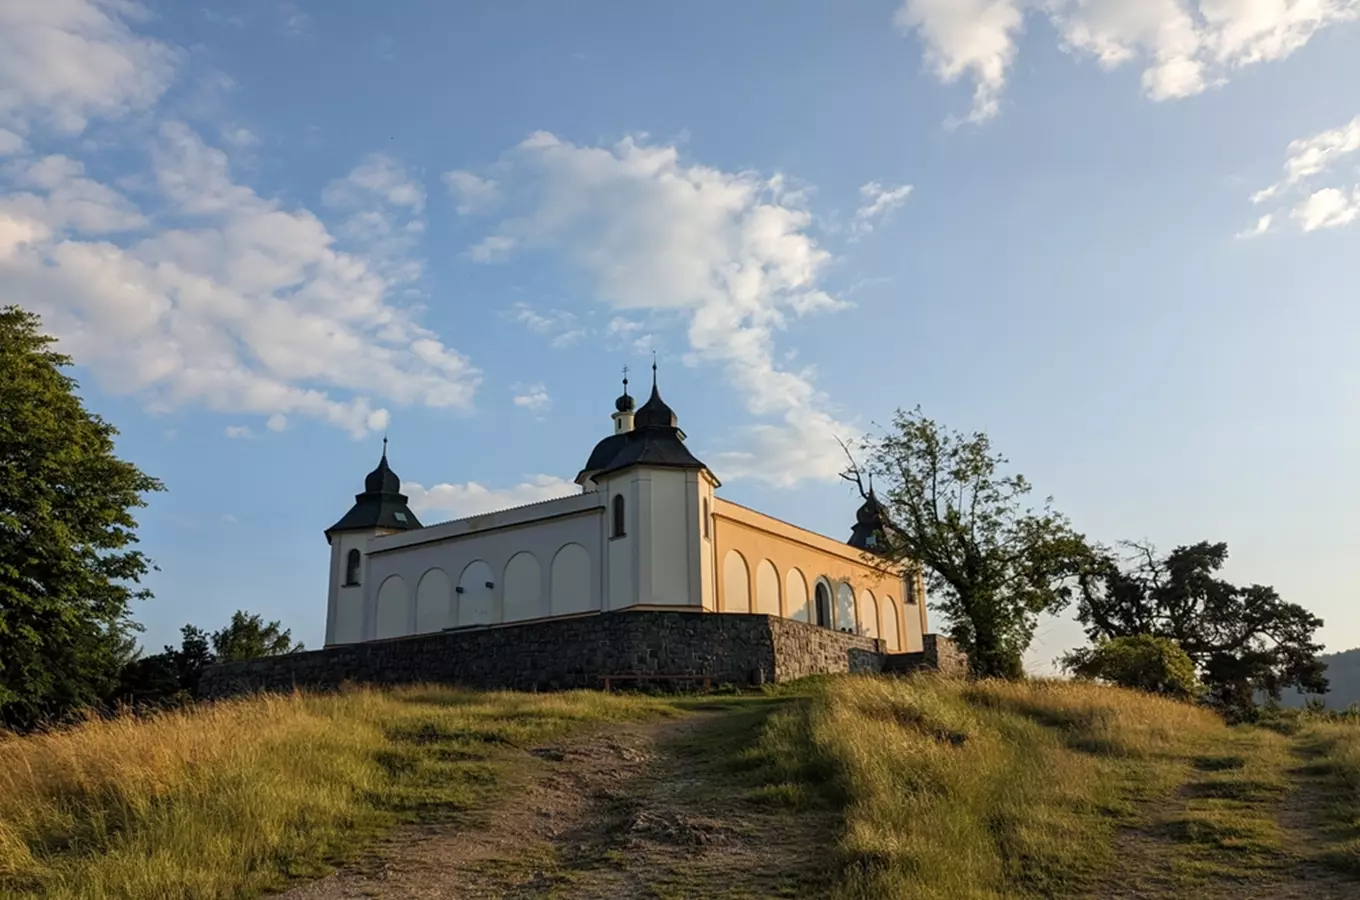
[823, 605]
[352, 563]
[618, 516]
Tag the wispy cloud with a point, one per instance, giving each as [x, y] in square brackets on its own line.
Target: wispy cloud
[1302, 193]
[471, 498]
[879, 202]
[533, 397]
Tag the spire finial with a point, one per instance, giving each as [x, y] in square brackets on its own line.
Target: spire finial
[653, 369]
[871, 483]
[384, 456]
[625, 379]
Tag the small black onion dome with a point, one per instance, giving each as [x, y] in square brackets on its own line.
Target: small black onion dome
[625, 403]
[655, 413]
[382, 480]
[869, 513]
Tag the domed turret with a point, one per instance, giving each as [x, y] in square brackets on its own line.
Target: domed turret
[868, 530]
[655, 413]
[382, 505]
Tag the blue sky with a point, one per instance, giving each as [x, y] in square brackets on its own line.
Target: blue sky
[1118, 236]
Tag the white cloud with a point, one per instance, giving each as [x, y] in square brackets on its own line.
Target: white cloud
[277, 422]
[561, 327]
[494, 248]
[248, 307]
[1327, 208]
[533, 397]
[1184, 46]
[63, 63]
[1261, 227]
[238, 431]
[879, 202]
[1309, 161]
[730, 252]
[382, 203]
[472, 192]
[470, 499]
[240, 137]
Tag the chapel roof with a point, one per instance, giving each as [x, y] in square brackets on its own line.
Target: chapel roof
[656, 439]
[381, 505]
[868, 531]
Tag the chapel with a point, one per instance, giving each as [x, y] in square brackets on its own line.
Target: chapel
[646, 532]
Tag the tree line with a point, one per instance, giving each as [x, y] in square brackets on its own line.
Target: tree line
[70, 570]
[1166, 622]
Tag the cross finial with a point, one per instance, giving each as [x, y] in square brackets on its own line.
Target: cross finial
[384, 445]
[653, 368]
[625, 379]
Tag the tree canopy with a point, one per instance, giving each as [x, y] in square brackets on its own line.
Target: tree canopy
[993, 563]
[1142, 662]
[68, 567]
[1243, 640]
[248, 636]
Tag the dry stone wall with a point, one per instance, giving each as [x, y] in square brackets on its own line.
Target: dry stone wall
[568, 653]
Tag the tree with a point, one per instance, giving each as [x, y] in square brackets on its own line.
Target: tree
[68, 571]
[1243, 640]
[993, 564]
[171, 676]
[1142, 662]
[248, 636]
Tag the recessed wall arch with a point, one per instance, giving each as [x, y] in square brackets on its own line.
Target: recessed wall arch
[890, 632]
[767, 589]
[434, 601]
[522, 588]
[845, 607]
[796, 596]
[393, 614]
[475, 594]
[867, 610]
[569, 590]
[736, 583]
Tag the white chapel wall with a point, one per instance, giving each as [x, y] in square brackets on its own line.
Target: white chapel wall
[345, 611]
[521, 585]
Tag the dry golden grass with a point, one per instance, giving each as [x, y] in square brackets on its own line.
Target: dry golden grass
[1333, 749]
[226, 799]
[986, 790]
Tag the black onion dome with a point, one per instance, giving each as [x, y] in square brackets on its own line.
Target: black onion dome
[381, 505]
[655, 413]
[382, 480]
[868, 531]
[625, 403]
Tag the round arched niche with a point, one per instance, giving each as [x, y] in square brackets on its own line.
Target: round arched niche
[845, 607]
[434, 602]
[868, 614]
[475, 597]
[890, 624]
[736, 583]
[393, 614]
[797, 596]
[767, 588]
[570, 590]
[522, 588]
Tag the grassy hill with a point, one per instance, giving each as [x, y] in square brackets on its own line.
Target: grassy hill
[851, 787]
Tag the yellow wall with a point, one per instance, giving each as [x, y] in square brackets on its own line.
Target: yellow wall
[758, 537]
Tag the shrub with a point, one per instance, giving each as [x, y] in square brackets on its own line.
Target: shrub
[1143, 662]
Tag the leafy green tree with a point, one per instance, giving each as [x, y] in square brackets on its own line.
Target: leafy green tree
[1142, 662]
[171, 676]
[1243, 640]
[68, 570]
[248, 636]
[993, 564]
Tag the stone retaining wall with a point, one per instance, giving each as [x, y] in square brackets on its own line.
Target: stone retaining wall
[568, 653]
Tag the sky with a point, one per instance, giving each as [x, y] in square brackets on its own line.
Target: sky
[1119, 236]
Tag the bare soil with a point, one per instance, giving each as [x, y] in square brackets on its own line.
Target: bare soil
[621, 812]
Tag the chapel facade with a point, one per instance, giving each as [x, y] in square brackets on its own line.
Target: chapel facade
[646, 532]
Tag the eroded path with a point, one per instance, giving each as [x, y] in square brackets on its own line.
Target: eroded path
[651, 810]
[1243, 823]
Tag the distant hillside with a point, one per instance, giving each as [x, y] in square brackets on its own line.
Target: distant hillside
[1343, 671]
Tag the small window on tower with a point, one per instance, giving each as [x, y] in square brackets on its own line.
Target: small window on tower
[618, 516]
[352, 563]
[400, 516]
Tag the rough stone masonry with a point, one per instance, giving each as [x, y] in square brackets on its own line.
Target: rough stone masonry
[579, 652]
